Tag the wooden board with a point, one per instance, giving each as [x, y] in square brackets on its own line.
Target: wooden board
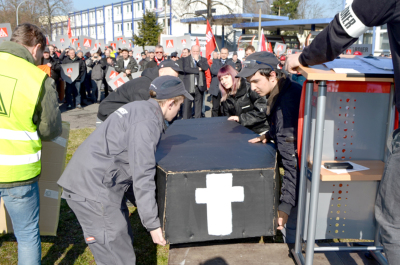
[374, 173]
[322, 73]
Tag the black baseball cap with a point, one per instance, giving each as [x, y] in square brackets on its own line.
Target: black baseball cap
[143, 53]
[169, 63]
[46, 49]
[174, 54]
[167, 87]
[257, 61]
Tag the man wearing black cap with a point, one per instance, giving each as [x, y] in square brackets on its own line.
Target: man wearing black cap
[136, 89]
[236, 62]
[118, 154]
[174, 56]
[126, 64]
[283, 101]
[52, 63]
[143, 62]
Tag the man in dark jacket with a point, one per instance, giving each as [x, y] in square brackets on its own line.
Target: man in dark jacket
[194, 67]
[53, 64]
[158, 57]
[282, 111]
[214, 87]
[136, 89]
[237, 62]
[143, 62]
[126, 64]
[72, 91]
[98, 66]
[344, 30]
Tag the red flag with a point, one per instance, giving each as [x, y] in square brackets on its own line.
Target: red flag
[69, 28]
[261, 46]
[197, 41]
[270, 48]
[210, 41]
[47, 41]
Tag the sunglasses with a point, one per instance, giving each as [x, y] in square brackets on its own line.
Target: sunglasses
[159, 52]
[253, 63]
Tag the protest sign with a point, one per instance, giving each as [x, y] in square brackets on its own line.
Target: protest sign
[86, 43]
[5, 32]
[62, 42]
[361, 49]
[280, 48]
[118, 81]
[111, 73]
[69, 72]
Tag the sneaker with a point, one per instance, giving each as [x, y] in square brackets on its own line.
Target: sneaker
[79, 106]
[69, 107]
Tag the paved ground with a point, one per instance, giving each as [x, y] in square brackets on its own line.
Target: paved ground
[257, 254]
[88, 116]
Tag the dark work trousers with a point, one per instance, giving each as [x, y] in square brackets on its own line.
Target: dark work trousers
[216, 102]
[387, 206]
[198, 104]
[72, 95]
[106, 229]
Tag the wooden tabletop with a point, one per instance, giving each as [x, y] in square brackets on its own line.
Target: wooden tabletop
[375, 172]
[323, 73]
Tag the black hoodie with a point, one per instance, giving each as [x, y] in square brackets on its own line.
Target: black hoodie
[136, 89]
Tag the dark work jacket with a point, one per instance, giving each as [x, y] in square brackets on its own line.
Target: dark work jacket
[215, 67]
[283, 120]
[82, 66]
[132, 65]
[119, 153]
[248, 106]
[55, 67]
[334, 39]
[238, 65]
[193, 72]
[152, 64]
[136, 89]
[180, 63]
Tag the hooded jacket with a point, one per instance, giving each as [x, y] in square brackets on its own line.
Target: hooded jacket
[248, 106]
[136, 89]
[47, 115]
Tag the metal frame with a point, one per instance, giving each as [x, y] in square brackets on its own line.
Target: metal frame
[315, 181]
[88, 23]
[122, 19]
[95, 21]
[104, 25]
[133, 21]
[112, 20]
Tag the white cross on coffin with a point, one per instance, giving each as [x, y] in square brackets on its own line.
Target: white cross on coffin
[219, 196]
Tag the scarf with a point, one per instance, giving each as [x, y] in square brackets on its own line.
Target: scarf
[157, 61]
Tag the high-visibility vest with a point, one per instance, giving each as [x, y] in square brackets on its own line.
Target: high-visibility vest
[20, 145]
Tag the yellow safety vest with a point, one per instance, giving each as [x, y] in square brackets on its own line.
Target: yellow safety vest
[20, 145]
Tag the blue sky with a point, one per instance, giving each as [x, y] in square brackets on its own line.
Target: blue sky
[81, 5]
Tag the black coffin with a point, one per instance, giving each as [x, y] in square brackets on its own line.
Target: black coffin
[212, 184]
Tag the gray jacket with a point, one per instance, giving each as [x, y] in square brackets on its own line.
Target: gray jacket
[118, 153]
[98, 67]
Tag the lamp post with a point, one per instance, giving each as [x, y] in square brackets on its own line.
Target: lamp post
[259, 2]
[18, 8]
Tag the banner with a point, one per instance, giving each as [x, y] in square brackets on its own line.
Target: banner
[176, 43]
[111, 73]
[280, 48]
[5, 32]
[113, 44]
[118, 81]
[137, 53]
[69, 72]
[293, 51]
[360, 49]
[210, 41]
[124, 43]
[86, 43]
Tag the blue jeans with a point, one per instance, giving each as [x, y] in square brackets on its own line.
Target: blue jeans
[22, 204]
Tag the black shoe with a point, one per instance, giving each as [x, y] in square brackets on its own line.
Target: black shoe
[69, 107]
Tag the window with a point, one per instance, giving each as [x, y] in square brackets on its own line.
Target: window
[128, 9]
[92, 15]
[140, 6]
[151, 3]
[85, 17]
[101, 29]
[384, 41]
[119, 28]
[109, 15]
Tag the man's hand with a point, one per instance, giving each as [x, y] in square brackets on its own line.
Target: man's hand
[262, 139]
[233, 118]
[282, 219]
[292, 63]
[49, 65]
[158, 238]
[69, 76]
[124, 74]
[128, 71]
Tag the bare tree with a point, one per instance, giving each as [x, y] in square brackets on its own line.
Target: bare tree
[308, 9]
[53, 10]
